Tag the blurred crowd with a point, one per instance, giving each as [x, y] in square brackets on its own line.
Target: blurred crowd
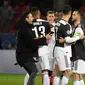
[9, 15]
[11, 11]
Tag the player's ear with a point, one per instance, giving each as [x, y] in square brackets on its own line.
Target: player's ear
[26, 19]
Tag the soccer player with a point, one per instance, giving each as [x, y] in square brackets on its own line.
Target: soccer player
[78, 50]
[51, 20]
[63, 50]
[41, 28]
[51, 46]
[27, 45]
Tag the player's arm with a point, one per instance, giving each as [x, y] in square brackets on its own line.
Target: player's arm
[77, 36]
[39, 41]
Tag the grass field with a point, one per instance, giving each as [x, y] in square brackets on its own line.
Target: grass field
[17, 79]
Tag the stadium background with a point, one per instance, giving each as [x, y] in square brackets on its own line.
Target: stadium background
[8, 70]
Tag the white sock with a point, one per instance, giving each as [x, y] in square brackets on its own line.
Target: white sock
[76, 82]
[64, 80]
[56, 80]
[81, 82]
[26, 79]
[46, 80]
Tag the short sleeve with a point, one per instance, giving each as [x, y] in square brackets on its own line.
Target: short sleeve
[79, 31]
[65, 30]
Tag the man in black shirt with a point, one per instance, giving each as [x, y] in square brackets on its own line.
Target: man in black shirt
[27, 45]
[40, 29]
[36, 15]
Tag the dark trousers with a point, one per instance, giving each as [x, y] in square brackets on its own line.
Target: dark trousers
[32, 70]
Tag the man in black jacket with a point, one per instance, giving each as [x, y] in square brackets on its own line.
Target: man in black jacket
[41, 28]
[27, 45]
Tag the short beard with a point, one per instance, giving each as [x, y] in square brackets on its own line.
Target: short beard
[73, 21]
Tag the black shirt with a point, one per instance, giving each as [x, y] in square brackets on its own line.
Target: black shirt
[63, 30]
[27, 46]
[41, 28]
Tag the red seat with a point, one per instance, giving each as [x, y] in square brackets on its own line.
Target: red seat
[12, 29]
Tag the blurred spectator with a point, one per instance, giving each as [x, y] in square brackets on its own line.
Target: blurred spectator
[25, 8]
[19, 9]
[82, 9]
[6, 14]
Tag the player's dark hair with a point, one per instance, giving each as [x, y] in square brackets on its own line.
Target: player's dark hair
[34, 10]
[66, 9]
[79, 12]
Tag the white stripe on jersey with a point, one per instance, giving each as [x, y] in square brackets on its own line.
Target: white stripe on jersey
[51, 42]
[41, 20]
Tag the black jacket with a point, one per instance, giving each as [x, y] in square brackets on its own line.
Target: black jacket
[27, 46]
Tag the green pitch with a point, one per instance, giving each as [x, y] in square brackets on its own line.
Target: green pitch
[17, 79]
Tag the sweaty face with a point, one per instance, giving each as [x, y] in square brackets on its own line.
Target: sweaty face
[50, 18]
[74, 16]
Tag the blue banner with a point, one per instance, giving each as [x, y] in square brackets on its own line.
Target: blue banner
[8, 40]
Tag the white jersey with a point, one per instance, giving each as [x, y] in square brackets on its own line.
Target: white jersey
[51, 42]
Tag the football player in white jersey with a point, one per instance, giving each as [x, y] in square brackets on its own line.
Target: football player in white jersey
[51, 20]
[51, 46]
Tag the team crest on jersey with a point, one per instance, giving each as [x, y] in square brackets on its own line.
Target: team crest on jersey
[68, 31]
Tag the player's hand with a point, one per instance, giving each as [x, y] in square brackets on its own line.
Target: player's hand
[37, 37]
[61, 40]
[49, 36]
[81, 36]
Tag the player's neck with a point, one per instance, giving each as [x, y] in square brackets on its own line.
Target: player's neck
[66, 18]
[77, 22]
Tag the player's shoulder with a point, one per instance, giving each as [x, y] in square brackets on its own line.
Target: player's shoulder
[79, 28]
[63, 25]
[42, 20]
[63, 22]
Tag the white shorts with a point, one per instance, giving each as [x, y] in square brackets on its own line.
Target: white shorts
[79, 67]
[62, 58]
[51, 63]
[44, 60]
